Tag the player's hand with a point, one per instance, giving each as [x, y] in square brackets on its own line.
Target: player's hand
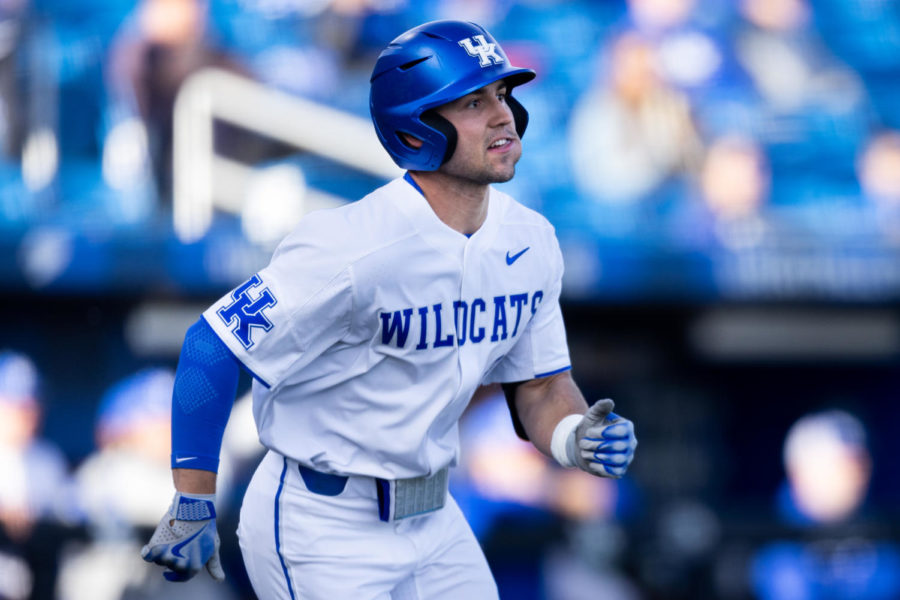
[186, 539]
[603, 443]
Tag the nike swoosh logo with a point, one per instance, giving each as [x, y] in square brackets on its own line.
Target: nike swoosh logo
[185, 459]
[176, 549]
[511, 259]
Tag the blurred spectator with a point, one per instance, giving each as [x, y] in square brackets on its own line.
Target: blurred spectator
[34, 485]
[878, 171]
[499, 472]
[163, 43]
[121, 489]
[693, 52]
[790, 66]
[292, 46]
[828, 467]
[12, 118]
[687, 55]
[15, 204]
[733, 188]
[734, 178]
[592, 549]
[631, 132]
[659, 15]
[813, 109]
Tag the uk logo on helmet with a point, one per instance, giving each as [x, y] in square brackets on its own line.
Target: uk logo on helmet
[480, 48]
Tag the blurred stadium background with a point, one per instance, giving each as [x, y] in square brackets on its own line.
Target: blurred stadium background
[724, 177]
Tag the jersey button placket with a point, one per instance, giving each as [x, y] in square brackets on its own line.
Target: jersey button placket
[468, 290]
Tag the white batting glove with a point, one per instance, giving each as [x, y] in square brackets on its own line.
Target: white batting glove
[602, 443]
[186, 539]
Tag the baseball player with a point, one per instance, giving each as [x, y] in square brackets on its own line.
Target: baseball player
[367, 335]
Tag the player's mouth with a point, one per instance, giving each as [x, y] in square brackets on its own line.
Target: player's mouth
[502, 144]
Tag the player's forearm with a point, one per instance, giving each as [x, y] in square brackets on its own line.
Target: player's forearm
[194, 481]
[543, 403]
[205, 385]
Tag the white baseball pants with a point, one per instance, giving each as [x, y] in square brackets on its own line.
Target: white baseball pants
[299, 545]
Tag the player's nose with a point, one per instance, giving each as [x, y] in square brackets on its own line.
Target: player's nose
[501, 113]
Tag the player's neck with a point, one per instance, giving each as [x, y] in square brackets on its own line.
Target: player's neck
[461, 205]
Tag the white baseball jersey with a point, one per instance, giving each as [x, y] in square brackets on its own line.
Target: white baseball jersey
[375, 322]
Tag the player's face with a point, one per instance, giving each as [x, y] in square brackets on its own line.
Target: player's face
[487, 147]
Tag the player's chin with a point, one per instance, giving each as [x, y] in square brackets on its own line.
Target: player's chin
[505, 169]
[498, 174]
[504, 176]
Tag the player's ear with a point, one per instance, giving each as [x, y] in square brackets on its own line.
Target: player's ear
[411, 141]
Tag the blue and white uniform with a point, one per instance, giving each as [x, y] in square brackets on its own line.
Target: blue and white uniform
[391, 330]
[367, 334]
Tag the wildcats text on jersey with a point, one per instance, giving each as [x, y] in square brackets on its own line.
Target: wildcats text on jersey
[474, 321]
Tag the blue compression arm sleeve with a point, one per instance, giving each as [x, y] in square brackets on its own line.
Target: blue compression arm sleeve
[205, 385]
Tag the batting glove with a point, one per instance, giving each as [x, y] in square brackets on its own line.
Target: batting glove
[186, 539]
[603, 443]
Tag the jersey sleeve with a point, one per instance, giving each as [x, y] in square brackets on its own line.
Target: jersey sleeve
[289, 312]
[542, 349]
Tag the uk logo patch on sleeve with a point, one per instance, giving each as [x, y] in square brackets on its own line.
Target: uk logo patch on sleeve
[247, 310]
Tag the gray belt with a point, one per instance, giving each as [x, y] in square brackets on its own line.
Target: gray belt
[397, 498]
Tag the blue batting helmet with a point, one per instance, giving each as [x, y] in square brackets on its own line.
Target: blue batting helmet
[428, 66]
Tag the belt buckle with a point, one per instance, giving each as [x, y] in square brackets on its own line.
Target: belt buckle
[404, 498]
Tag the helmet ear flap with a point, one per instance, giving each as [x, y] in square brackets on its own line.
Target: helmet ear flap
[445, 127]
[520, 115]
